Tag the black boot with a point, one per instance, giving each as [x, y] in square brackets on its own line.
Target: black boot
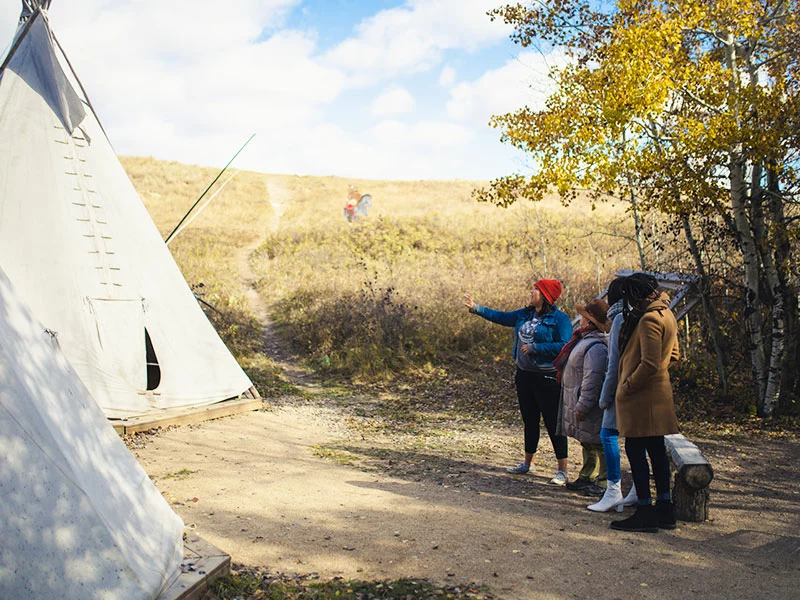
[665, 512]
[644, 519]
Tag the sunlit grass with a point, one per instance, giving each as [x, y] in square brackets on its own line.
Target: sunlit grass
[247, 585]
[382, 298]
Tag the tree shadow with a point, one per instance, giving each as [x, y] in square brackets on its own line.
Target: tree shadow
[79, 517]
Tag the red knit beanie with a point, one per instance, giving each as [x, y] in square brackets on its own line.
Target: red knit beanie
[550, 289]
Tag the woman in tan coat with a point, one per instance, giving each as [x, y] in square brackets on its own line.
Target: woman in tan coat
[645, 409]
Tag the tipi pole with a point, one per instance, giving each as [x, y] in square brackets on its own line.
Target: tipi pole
[19, 39]
[199, 210]
[169, 237]
[80, 85]
[40, 12]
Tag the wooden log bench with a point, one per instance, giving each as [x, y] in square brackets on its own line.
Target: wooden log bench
[693, 474]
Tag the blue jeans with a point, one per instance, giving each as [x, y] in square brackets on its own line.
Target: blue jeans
[610, 440]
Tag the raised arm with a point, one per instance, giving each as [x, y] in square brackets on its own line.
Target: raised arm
[469, 302]
[507, 319]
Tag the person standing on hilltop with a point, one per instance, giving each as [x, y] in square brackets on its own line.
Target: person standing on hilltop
[540, 332]
[648, 343]
[353, 196]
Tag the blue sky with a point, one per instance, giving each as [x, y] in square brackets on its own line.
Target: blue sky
[375, 89]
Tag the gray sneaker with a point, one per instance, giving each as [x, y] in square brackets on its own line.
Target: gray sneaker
[559, 479]
[520, 469]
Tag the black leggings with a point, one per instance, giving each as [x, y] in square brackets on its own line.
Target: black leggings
[540, 394]
[654, 446]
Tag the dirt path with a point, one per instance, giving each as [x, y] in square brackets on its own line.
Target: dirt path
[273, 488]
[255, 486]
[279, 198]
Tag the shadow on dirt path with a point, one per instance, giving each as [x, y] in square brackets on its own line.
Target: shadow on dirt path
[297, 489]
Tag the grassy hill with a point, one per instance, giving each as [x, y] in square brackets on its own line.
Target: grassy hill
[381, 298]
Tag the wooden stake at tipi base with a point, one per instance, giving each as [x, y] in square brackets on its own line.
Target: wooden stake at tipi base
[186, 416]
[202, 564]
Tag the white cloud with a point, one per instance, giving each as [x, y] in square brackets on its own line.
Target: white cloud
[412, 38]
[447, 77]
[161, 100]
[168, 29]
[192, 84]
[396, 101]
[523, 81]
[8, 24]
[390, 150]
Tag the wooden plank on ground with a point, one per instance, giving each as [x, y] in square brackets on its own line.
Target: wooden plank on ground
[187, 416]
[692, 466]
[202, 564]
[693, 474]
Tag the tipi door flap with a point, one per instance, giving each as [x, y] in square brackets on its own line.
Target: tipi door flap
[120, 330]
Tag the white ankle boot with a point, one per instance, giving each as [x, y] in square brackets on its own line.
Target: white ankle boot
[611, 499]
[631, 498]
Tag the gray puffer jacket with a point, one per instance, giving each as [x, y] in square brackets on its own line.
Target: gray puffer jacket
[581, 383]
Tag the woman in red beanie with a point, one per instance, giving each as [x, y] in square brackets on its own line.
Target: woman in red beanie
[540, 332]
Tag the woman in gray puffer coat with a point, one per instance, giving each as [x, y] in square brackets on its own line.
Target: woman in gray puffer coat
[582, 366]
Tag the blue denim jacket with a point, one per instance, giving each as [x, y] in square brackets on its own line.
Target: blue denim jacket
[552, 333]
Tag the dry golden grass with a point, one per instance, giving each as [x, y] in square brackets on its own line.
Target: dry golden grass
[383, 295]
[208, 249]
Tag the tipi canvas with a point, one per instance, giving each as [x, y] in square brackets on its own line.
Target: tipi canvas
[83, 252]
[79, 518]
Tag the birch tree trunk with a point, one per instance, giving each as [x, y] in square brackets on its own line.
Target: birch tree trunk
[782, 251]
[772, 387]
[751, 274]
[739, 198]
[764, 242]
[637, 218]
[637, 224]
[777, 337]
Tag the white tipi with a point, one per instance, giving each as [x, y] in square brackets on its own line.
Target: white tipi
[83, 252]
[79, 518]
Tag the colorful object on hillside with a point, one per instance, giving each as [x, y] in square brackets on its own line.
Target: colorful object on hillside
[356, 205]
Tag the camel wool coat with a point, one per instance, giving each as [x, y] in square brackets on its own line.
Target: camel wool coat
[644, 393]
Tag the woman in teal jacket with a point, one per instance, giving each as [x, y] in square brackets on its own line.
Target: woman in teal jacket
[540, 331]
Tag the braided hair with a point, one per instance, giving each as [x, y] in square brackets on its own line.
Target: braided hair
[614, 294]
[637, 291]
